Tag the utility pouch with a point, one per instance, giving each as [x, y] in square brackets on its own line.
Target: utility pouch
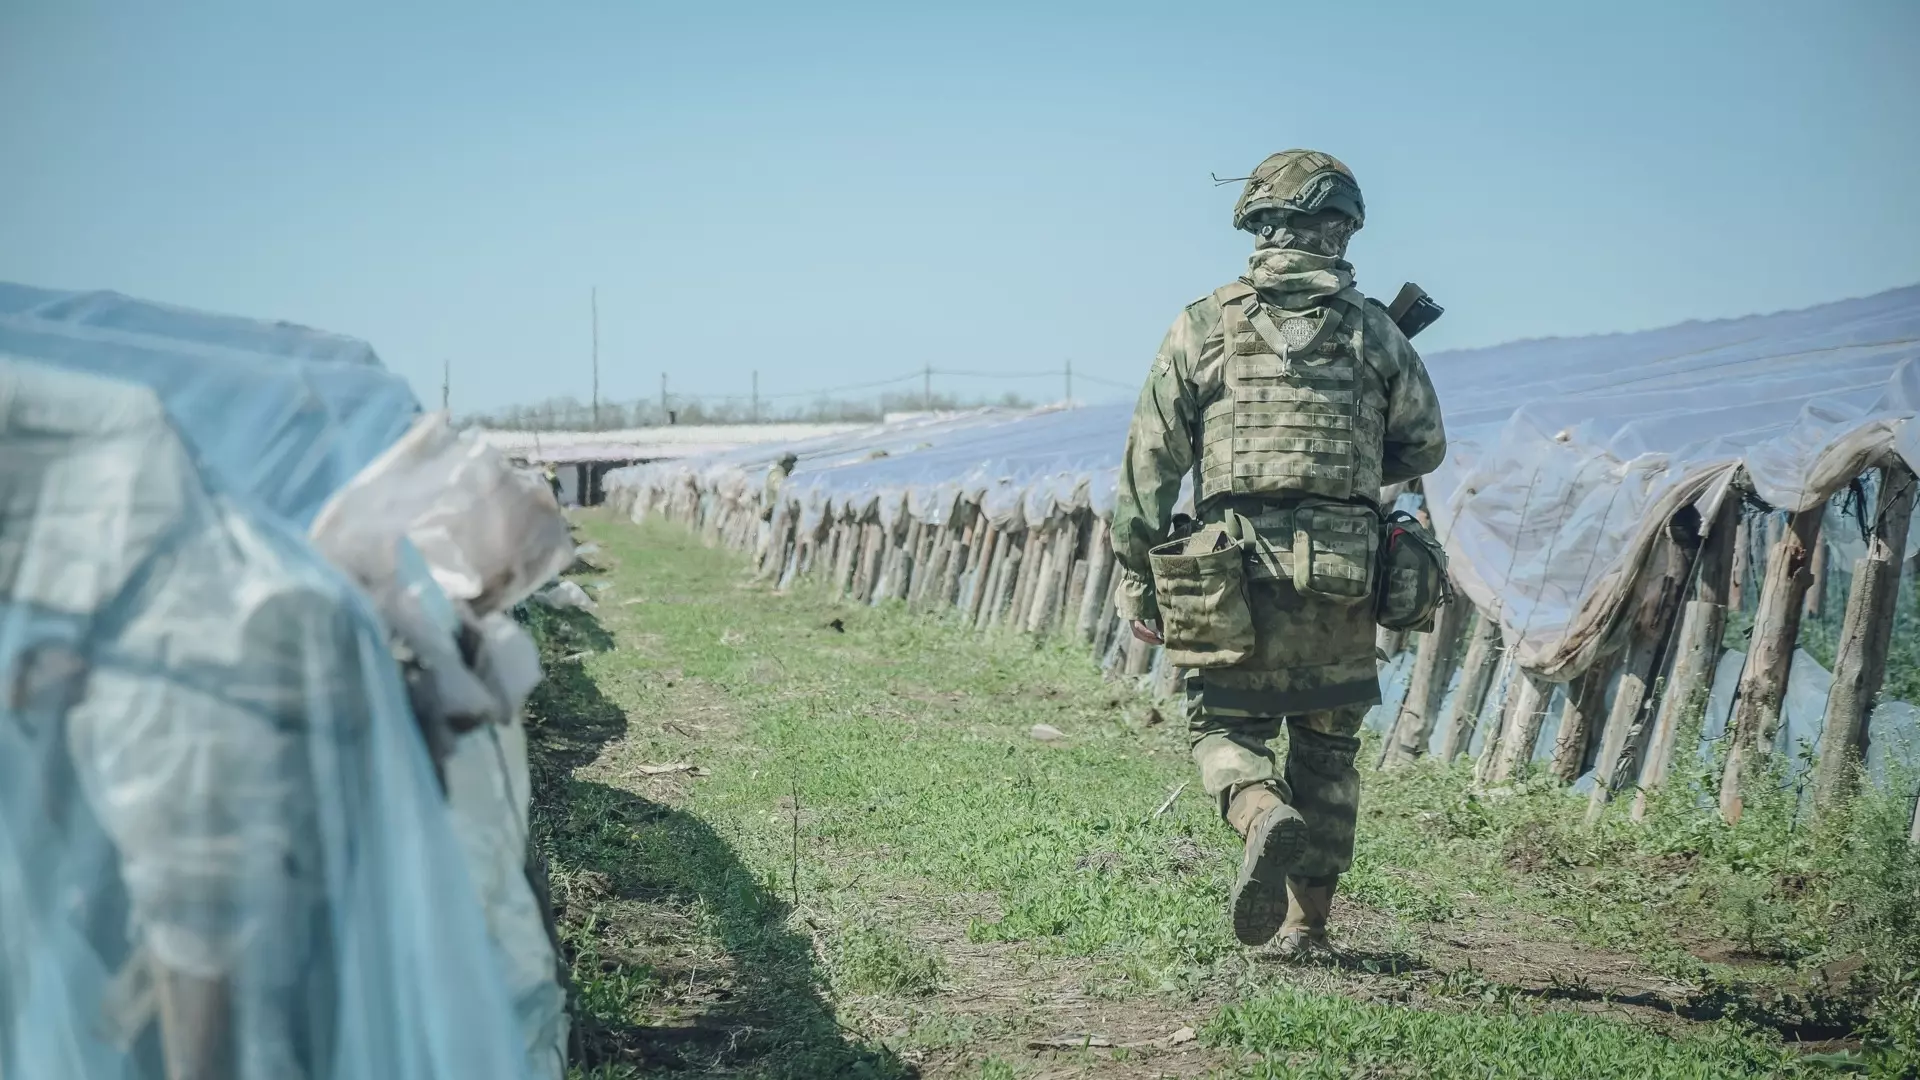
[1201, 583]
[1334, 548]
[1413, 574]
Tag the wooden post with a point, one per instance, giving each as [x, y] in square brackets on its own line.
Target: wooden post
[1006, 577]
[1586, 697]
[954, 564]
[1866, 633]
[986, 582]
[1433, 664]
[1527, 715]
[1702, 624]
[937, 544]
[1476, 678]
[1139, 655]
[906, 564]
[1646, 644]
[965, 543]
[879, 541]
[1108, 625]
[1817, 592]
[1776, 628]
[1017, 568]
[1742, 560]
[1022, 584]
[989, 553]
[1043, 590]
[1483, 766]
[1076, 596]
[847, 538]
[1099, 569]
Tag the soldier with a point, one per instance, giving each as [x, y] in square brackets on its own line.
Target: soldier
[769, 496]
[1292, 399]
[776, 476]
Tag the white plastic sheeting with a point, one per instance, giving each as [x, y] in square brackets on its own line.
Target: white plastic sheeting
[1565, 455]
[214, 794]
[210, 785]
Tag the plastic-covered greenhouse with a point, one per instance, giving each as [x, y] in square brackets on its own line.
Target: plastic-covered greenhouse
[261, 816]
[1597, 493]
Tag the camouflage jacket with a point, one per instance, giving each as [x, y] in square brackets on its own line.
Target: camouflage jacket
[1163, 443]
[770, 492]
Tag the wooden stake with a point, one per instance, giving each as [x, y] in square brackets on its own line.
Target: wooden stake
[983, 572]
[1697, 654]
[1483, 766]
[1022, 583]
[1742, 562]
[1108, 625]
[1433, 664]
[986, 585]
[1866, 634]
[964, 543]
[1776, 628]
[1476, 678]
[1043, 589]
[1075, 595]
[1139, 655]
[1586, 699]
[1817, 592]
[1099, 569]
[1646, 645]
[1016, 568]
[1526, 717]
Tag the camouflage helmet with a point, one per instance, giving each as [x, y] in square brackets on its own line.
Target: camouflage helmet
[1300, 182]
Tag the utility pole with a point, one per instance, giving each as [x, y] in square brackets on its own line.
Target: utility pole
[926, 388]
[755, 414]
[663, 397]
[1069, 381]
[594, 299]
[446, 385]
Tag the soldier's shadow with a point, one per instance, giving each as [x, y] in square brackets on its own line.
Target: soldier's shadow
[659, 918]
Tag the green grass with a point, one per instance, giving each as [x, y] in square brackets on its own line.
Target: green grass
[1305, 1035]
[837, 934]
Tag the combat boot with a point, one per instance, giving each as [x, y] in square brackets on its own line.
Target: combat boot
[1275, 835]
[1304, 934]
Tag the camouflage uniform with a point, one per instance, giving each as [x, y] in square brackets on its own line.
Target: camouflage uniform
[1284, 389]
[776, 478]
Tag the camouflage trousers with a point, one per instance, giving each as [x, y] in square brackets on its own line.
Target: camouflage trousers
[1319, 778]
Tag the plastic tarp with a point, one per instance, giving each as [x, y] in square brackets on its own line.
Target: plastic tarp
[277, 413]
[1565, 454]
[211, 789]
[217, 810]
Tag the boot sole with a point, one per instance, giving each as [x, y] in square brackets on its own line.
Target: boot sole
[1260, 892]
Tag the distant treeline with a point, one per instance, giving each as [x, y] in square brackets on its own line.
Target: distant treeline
[572, 414]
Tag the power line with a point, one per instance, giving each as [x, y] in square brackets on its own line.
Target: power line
[924, 376]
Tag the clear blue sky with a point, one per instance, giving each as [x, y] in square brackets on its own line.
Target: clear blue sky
[838, 192]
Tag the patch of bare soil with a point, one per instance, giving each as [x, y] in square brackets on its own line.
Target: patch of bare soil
[1032, 1011]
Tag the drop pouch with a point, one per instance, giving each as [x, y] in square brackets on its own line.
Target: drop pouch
[1201, 583]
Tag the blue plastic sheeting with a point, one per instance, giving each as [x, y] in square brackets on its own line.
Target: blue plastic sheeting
[1565, 455]
[213, 798]
[1013, 463]
[277, 413]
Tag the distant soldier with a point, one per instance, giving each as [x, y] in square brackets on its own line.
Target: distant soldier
[770, 498]
[776, 477]
[1291, 399]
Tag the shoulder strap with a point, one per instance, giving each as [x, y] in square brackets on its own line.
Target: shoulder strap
[1233, 292]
